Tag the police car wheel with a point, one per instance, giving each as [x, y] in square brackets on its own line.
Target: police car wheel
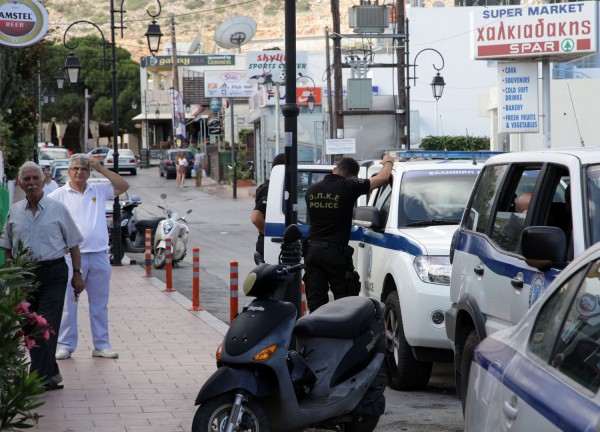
[465, 365]
[404, 371]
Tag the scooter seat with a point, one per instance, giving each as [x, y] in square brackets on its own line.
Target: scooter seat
[345, 318]
[142, 225]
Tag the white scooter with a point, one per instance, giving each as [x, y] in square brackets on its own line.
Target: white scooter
[174, 228]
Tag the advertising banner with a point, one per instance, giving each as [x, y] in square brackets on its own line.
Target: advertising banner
[518, 97]
[302, 93]
[562, 31]
[22, 22]
[227, 84]
[259, 63]
[178, 115]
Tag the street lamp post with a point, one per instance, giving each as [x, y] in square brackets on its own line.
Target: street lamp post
[73, 66]
[437, 84]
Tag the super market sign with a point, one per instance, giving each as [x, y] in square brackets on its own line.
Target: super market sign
[558, 32]
[22, 22]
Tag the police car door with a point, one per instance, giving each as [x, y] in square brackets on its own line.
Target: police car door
[371, 253]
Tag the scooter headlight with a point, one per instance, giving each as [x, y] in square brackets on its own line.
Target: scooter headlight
[124, 223]
[168, 226]
[433, 269]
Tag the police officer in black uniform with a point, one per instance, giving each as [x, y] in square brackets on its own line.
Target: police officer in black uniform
[330, 204]
[260, 207]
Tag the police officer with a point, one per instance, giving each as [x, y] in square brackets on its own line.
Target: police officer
[330, 204]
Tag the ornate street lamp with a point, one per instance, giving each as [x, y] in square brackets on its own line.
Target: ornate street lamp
[153, 34]
[73, 66]
[437, 87]
[311, 98]
[60, 78]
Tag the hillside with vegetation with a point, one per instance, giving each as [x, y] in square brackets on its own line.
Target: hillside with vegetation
[192, 17]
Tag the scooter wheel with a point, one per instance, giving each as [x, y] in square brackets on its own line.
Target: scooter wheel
[213, 415]
[160, 259]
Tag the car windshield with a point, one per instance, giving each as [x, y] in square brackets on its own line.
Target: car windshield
[54, 154]
[593, 202]
[435, 196]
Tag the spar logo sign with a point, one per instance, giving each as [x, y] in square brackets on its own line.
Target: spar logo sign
[22, 22]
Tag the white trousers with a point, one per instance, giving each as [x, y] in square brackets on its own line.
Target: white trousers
[96, 274]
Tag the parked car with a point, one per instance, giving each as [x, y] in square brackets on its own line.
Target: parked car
[61, 175]
[47, 155]
[168, 163]
[497, 273]
[99, 153]
[543, 374]
[127, 161]
[56, 163]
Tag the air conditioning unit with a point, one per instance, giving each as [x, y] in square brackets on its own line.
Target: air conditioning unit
[369, 18]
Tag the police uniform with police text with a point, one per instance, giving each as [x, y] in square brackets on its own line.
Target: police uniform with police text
[328, 258]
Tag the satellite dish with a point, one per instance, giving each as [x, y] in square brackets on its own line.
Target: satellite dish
[235, 32]
[194, 45]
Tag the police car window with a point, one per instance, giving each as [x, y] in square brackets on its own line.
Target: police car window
[572, 320]
[305, 180]
[434, 196]
[483, 198]
[593, 202]
[511, 211]
[383, 204]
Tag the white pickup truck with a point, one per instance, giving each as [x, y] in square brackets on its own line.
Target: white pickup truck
[402, 242]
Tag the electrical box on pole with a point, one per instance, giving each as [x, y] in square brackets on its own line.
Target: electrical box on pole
[369, 18]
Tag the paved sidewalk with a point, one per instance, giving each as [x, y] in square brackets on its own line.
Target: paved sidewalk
[166, 354]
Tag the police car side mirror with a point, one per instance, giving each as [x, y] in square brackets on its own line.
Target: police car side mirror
[544, 247]
[366, 217]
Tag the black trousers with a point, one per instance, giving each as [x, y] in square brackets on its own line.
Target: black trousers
[47, 300]
[327, 268]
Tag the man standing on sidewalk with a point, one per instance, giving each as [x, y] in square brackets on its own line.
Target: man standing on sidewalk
[86, 202]
[46, 228]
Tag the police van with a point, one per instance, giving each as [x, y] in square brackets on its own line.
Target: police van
[498, 272]
[401, 243]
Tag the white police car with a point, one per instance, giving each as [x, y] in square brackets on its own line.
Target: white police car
[498, 268]
[403, 258]
[544, 373]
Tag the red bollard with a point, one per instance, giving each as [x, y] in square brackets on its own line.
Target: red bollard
[196, 280]
[233, 290]
[169, 258]
[303, 304]
[148, 259]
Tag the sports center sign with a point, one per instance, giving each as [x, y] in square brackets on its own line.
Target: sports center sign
[22, 22]
[555, 32]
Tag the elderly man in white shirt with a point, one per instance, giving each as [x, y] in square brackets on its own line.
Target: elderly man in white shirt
[86, 202]
[46, 228]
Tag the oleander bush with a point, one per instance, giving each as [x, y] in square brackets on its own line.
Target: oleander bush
[19, 391]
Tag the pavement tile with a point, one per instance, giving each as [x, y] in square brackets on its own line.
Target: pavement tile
[166, 353]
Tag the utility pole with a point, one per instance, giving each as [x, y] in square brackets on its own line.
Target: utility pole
[337, 70]
[402, 58]
[175, 77]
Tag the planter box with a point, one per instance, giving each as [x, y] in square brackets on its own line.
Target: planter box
[244, 183]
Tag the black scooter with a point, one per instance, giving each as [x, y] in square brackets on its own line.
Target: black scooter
[332, 379]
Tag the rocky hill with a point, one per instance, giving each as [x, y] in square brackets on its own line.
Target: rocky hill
[192, 17]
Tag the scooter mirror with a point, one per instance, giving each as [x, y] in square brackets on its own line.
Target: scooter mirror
[163, 196]
[292, 233]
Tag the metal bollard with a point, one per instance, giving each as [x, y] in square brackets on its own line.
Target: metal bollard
[196, 280]
[233, 290]
[169, 258]
[148, 259]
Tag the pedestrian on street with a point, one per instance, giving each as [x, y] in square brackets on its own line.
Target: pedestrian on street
[86, 202]
[260, 207]
[198, 164]
[330, 205]
[46, 228]
[181, 163]
[49, 184]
